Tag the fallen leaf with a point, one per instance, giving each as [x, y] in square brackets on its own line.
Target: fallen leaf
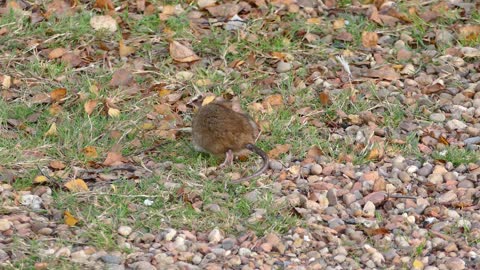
[90, 152]
[374, 154]
[113, 159]
[339, 24]
[469, 32]
[124, 50]
[182, 53]
[226, 10]
[121, 77]
[324, 98]
[105, 22]
[104, 4]
[59, 8]
[369, 39]
[6, 81]
[58, 94]
[278, 150]
[55, 109]
[56, 164]
[52, 131]
[386, 72]
[273, 101]
[112, 112]
[72, 60]
[70, 220]
[40, 179]
[314, 21]
[314, 152]
[76, 185]
[208, 99]
[89, 106]
[56, 53]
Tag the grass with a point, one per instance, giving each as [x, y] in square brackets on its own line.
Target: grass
[456, 155]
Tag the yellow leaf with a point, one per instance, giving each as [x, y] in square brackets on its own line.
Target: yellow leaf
[113, 112]
[90, 152]
[40, 179]
[417, 264]
[52, 131]
[94, 89]
[70, 220]
[76, 185]
[58, 94]
[314, 21]
[125, 50]
[147, 126]
[208, 99]
[374, 154]
[163, 92]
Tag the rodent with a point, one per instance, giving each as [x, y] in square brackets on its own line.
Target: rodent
[218, 129]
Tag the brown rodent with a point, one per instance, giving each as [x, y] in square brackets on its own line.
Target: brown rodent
[219, 130]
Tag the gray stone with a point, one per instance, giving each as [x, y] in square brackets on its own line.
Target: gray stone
[112, 259]
[437, 117]
[455, 125]
[283, 67]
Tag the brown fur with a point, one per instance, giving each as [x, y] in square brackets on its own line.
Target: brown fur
[216, 129]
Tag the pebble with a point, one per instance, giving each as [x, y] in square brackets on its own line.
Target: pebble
[369, 209]
[170, 234]
[316, 169]
[215, 236]
[448, 197]
[124, 230]
[4, 224]
[275, 165]
[455, 124]
[111, 259]
[283, 67]
[252, 196]
[466, 184]
[455, 264]
[437, 117]
[142, 265]
[425, 170]
[244, 252]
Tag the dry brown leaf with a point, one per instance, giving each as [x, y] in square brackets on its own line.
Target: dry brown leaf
[104, 4]
[6, 81]
[324, 98]
[278, 150]
[76, 185]
[182, 53]
[121, 77]
[386, 73]
[55, 109]
[113, 159]
[89, 106]
[58, 94]
[59, 8]
[3, 31]
[141, 5]
[469, 32]
[56, 164]
[369, 39]
[226, 10]
[72, 59]
[56, 53]
[339, 24]
[70, 220]
[273, 101]
[52, 131]
[164, 92]
[374, 154]
[314, 21]
[90, 152]
[314, 152]
[163, 109]
[40, 98]
[124, 50]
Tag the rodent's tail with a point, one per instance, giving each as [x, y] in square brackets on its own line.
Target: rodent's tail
[264, 157]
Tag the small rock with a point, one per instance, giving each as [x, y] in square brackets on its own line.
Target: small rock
[4, 225]
[142, 265]
[275, 165]
[369, 209]
[111, 259]
[466, 184]
[228, 243]
[215, 236]
[340, 258]
[316, 169]
[184, 75]
[244, 252]
[472, 140]
[252, 196]
[332, 197]
[435, 178]
[213, 207]
[447, 197]
[148, 238]
[283, 67]
[455, 124]
[124, 230]
[425, 170]
[170, 235]
[63, 252]
[32, 201]
[455, 264]
[437, 117]
[45, 231]
[349, 198]
[404, 177]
